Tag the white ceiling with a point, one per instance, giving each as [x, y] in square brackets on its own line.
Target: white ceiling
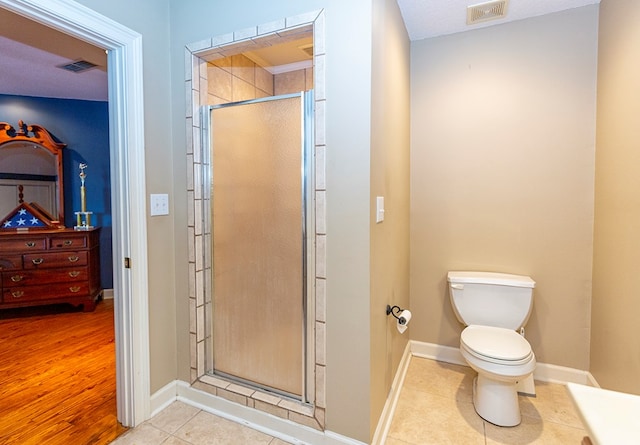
[30, 53]
[431, 18]
[29, 71]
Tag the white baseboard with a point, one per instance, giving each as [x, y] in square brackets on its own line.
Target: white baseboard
[561, 374]
[591, 381]
[440, 353]
[259, 420]
[163, 397]
[384, 423]
[544, 372]
[107, 294]
[299, 434]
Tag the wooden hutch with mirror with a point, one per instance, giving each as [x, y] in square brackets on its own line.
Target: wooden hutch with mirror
[41, 261]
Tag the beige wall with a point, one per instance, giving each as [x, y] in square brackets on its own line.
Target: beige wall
[348, 127]
[150, 18]
[390, 179]
[502, 173]
[615, 340]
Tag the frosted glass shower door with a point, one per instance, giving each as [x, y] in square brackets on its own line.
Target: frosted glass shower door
[258, 242]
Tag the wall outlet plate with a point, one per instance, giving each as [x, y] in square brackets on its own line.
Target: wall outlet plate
[159, 204]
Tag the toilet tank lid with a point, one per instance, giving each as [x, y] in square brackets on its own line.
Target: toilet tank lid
[503, 279]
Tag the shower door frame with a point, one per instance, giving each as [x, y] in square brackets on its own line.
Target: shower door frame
[307, 233]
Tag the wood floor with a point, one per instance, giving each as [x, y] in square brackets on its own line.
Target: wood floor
[57, 376]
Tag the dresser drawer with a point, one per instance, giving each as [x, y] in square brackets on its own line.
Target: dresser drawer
[35, 277]
[23, 244]
[11, 262]
[68, 242]
[45, 292]
[53, 260]
[48, 266]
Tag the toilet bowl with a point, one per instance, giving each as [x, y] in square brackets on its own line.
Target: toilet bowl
[493, 306]
[502, 358]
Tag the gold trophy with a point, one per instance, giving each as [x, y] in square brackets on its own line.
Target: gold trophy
[83, 218]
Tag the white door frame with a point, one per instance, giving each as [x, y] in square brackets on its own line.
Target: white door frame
[126, 133]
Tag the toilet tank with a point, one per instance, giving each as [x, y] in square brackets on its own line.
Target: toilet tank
[491, 299]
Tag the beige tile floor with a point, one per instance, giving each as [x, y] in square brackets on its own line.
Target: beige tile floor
[434, 407]
[182, 424]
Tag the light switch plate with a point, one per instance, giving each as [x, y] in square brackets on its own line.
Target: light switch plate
[379, 209]
[159, 204]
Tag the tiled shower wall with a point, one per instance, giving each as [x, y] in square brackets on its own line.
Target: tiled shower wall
[229, 77]
[238, 78]
[293, 81]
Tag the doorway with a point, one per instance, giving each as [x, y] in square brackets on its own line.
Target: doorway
[260, 182]
[127, 188]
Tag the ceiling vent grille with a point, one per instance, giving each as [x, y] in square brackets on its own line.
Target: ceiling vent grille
[308, 49]
[483, 12]
[78, 66]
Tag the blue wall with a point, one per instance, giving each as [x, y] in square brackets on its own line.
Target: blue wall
[84, 127]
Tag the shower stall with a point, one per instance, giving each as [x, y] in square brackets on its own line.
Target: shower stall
[259, 182]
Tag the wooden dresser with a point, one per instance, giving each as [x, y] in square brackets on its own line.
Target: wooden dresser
[50, 266]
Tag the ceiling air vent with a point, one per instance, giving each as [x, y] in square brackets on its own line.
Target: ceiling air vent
[78, 66]
[483, 12]
[308, 49]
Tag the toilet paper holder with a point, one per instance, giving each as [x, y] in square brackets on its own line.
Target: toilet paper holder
[393, 309]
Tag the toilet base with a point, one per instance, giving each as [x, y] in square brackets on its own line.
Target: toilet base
[496, 401]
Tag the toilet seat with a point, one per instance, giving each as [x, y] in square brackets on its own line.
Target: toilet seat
[496, 345]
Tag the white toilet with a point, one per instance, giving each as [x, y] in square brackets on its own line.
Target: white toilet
[494, 306]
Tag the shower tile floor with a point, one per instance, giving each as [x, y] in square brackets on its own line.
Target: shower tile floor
[434, 407]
